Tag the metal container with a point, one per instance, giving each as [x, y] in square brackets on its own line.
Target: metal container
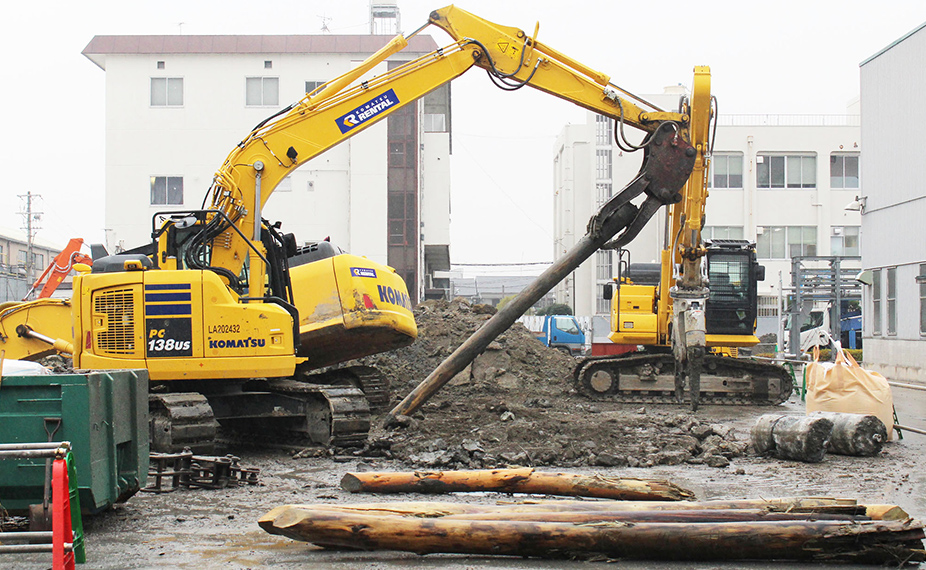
[104, 414]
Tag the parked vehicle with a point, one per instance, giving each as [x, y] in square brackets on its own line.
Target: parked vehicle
[558, 331]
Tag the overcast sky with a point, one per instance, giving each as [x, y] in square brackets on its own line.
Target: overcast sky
[772, 57]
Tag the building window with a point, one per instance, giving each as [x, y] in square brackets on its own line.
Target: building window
[604, 192]
[892, 300]
[783, 242]
[844, 241]
[768, 306]
[922, 298]
[603, 164]
[603, 264]
[313, 85]
[268, 64]
[786, 171]
[160, 65]
[604, 271]
[38, 260]
[726, 171]
[262, 91]
[603, 129]
[876, 302]
[434, 122]
[844, 171]
[166, 190]
[721, 232]
[166, 91]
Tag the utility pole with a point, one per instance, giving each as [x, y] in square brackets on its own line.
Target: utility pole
[31, 220]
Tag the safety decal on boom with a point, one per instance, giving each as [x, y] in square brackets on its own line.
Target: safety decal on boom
[366, 111]
[168, 320]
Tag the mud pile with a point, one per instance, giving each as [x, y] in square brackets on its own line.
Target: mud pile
[515, 405]
[513, 362]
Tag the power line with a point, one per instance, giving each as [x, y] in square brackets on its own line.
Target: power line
[500, 264]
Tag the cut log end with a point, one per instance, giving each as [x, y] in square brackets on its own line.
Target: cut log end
[351, 484]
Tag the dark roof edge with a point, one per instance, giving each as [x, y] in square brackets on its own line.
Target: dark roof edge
[894, 43]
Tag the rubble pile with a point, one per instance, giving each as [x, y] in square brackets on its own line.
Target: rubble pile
[513, 361]
[515, 405]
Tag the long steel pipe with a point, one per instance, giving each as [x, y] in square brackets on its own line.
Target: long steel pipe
[503, 319]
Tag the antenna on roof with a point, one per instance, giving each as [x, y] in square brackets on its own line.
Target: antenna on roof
[180, 27]
[325, 19]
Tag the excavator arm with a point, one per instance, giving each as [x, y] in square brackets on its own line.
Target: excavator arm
[348, 104]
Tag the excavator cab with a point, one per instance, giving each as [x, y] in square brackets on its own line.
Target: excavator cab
[733, 273]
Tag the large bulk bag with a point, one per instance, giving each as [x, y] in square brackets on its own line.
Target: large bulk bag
[844, 386]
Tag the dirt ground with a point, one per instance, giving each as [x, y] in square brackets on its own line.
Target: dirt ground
[218, 529]
[513, 406]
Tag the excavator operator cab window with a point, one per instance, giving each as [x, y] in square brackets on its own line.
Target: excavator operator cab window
[729, 277]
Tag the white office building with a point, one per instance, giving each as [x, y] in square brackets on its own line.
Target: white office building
[176, 106]
[782, 181]
[893, 205]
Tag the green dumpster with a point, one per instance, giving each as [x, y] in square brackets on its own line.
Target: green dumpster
[104, 414]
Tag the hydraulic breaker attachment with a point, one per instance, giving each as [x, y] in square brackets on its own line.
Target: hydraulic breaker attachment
[689, 345]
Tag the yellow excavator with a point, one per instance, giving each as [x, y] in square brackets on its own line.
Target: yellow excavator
[642, 316]
[228, 316]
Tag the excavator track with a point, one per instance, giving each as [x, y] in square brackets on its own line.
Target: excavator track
[335, 415]
[280, 409]
[370, 381]
[180, 420]
[650, 379]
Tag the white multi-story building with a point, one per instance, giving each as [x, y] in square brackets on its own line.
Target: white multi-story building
[176, 106]
[894, 209]
[782, 181]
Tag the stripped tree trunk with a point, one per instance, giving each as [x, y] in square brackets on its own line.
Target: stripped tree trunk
[875, 542]
[855, 434]
[442, 509]
[688, 515]
[514, 481]
[801, 438]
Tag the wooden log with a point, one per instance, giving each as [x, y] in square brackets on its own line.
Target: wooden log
[800, 438]
[514, 481]
[585, 516]
[687, 515]
[886, 512]
[432, 509]
[860, 435]
[875, 542]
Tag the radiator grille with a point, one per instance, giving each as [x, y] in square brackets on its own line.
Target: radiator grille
[117, 308]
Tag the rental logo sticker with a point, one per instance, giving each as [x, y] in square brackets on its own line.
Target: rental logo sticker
[366, 111]
[363, 272]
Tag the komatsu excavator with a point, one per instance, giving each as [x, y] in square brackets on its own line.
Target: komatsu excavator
[642, 315]
[227, 315]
